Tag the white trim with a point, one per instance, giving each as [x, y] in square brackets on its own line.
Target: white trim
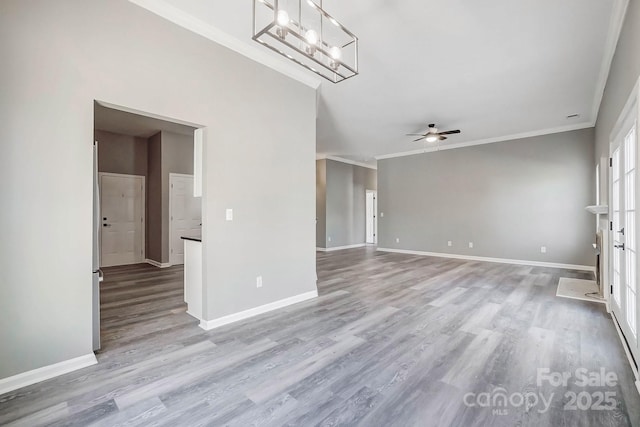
[144, 214]
[523, 135]
[231, 318]
[488, 259]
[347, 161]
[631, 103]
[340, 248]
[46, 372]
[258, 54]
[626, 351]
[615, 28]
[147, 114]
[157, 264]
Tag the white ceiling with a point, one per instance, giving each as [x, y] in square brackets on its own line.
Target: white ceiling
[494, 69]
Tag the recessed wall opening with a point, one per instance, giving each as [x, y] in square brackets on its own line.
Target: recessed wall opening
[145, 203]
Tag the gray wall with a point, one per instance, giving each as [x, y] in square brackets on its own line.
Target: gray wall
[97, 50]
[321, 203]
[177, 157]
[345, 203]
[153, 237]
[625, 69]
[121, 153]
[508, 198]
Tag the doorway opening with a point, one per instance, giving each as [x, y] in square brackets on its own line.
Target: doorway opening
[146, 197]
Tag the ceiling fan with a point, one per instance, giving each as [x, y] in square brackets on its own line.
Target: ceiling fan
[432, 134]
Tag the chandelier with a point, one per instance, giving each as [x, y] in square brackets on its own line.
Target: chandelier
[303, 32]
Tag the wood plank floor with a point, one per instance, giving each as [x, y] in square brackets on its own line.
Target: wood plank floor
[392, 340]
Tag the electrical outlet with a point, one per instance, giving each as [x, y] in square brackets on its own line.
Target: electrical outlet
[328, 238]
[543, 249]
[259, 282]
[471, 244]
[449, 243]
[229, 215]
[397, 240]
[381, 214]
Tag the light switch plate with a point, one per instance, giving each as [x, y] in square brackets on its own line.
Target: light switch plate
[229, 215]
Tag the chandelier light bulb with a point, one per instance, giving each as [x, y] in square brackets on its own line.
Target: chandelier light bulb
[312, 37]
[335, 52]
[283, 18]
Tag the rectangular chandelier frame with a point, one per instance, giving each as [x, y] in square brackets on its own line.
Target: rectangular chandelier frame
[333, 52]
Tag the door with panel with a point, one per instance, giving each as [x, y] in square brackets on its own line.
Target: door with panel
[122, 219]
[624, 248]
[371, 213]
[185, 215]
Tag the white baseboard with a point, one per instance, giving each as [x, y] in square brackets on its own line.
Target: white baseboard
[626, 351]
[339, 248]
[225, 320]
[195, 317]
[488, 259]
[46, 372]
[157, 264]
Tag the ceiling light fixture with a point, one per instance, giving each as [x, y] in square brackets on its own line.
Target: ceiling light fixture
[432, 138]
[298, 30]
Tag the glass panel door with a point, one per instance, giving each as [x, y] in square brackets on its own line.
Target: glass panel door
[617, 227]
[624, 259]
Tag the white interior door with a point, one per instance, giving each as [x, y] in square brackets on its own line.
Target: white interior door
[371, 212]
[122, 219]
[185, 215]
[624, 299]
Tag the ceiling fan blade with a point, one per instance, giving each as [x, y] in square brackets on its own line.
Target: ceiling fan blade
[442, 138]
[419, 139]
[416, 134]
[449, 132]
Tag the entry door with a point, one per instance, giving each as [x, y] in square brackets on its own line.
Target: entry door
[185, 215]
[624, 300]
[371, 212]
[122, 219]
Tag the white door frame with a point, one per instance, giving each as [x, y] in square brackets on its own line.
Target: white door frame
[174, 175]
[144, 210]
[375, 215]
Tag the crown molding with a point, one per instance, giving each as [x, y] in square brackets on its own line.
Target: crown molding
[195, 25]
[523, 135]
[347, 161]
[615, 28]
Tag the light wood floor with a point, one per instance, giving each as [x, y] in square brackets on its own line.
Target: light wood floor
[392, 340]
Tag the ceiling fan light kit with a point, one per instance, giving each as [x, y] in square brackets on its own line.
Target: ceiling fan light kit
[303, 32]
[433, 134]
